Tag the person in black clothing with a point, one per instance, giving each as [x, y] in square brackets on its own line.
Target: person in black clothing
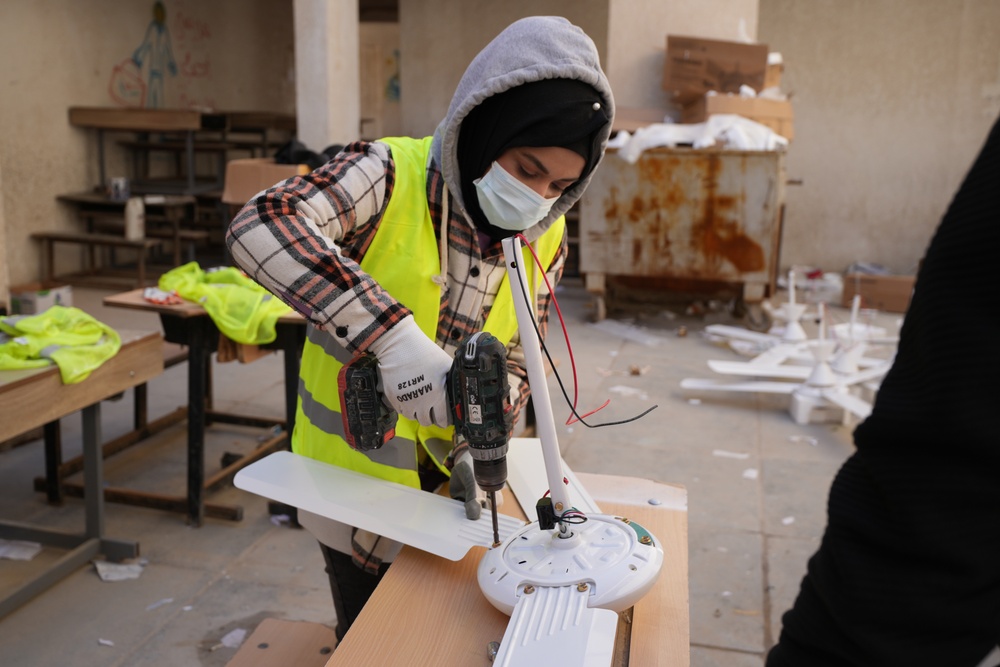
[908, 570]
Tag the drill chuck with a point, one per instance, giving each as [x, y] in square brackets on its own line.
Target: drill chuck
[490, 475]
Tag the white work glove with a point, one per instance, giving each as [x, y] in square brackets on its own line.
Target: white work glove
[414, 372]
[463, 486]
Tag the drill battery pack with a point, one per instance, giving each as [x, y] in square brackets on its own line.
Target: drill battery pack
[480, 392]
[368, 422]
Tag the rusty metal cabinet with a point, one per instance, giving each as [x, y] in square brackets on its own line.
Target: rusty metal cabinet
[702, 215]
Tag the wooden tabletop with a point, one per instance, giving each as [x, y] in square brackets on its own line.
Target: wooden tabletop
[177, 120]
[430, 611]
[98, 199]
[140, 120]
[256, 121]
[133, 299]
[31, 398]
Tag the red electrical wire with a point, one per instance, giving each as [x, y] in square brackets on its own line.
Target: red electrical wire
[569, 347]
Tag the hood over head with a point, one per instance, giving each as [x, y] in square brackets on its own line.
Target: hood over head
[538, 83]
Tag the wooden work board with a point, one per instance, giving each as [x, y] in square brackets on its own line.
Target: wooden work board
[430, 611]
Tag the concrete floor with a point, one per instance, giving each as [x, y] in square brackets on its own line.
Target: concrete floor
[757, 485]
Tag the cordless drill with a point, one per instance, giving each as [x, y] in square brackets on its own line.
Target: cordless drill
[478, 397]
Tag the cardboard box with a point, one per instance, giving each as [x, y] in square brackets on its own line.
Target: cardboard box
[631, 119]
[246, 177]
[694, 66]
[889, 293]
[772, 75]
[34, 298]
[776, 114]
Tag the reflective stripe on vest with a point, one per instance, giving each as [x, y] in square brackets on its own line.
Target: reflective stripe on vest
[403, 259]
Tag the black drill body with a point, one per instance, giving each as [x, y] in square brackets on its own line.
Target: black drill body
[478, 397]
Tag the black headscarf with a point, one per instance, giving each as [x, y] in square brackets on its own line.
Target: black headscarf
[551, 112]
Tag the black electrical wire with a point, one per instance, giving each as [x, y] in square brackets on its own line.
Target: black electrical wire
[541, 342]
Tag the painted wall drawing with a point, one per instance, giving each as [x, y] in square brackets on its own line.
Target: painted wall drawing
[138, 80]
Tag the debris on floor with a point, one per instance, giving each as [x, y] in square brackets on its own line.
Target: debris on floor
[629, 392]
[750, 473]
[19, 549]
[628, 332]
[730, 455]
[159, 603]
[105, 642]
[117, 571]
[232, 639]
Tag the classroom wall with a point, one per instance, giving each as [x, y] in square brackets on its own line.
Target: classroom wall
[893, 100]
[62, 53]
[438, 39]
[381, 90]
[4, 268]
[637, 35]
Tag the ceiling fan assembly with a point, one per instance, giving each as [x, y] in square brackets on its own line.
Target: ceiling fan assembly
[827, 379]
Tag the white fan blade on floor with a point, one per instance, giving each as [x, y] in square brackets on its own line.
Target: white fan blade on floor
[752, 369]
[739, 333]
[849, 402]
[781, 353]
[869, 374]
[763, 387]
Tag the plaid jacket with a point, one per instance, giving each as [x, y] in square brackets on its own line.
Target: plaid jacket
[304, 238]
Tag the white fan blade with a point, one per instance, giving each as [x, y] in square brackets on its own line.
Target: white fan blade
[869, 362]
[427, 521]
[742, 334]
[891, 340]
[849, 402]
[752, 369]
[869, 374]
[780, 353]
[554, 626]
[763, 387]
[527, 479]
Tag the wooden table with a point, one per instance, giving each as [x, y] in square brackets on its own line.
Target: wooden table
[33, 398]
[186, 122]
[190, 325]
[430, 611]
[185, 125]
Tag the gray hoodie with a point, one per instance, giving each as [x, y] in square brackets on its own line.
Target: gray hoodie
[530, 49]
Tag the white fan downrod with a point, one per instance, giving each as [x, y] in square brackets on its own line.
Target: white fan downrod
[609, 560]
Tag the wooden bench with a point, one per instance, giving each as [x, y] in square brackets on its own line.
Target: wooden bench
[99, 222]
[166, 218]
[92, 242]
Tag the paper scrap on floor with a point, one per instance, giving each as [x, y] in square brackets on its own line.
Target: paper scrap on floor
[19, 549]
[117, 571]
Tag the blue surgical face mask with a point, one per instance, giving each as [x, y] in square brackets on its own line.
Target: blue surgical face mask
[508, 203]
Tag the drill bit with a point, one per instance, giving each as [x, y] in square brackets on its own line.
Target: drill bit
[496, 524]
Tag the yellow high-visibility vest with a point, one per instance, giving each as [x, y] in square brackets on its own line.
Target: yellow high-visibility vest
[403, 259]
